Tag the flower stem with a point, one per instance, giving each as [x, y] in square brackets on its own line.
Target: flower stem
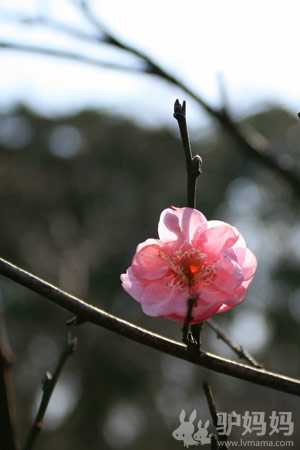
[188, 319]
[196, 329]
[191, 338]
[193, 163]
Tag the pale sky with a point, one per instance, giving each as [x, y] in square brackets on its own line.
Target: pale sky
[253, 44]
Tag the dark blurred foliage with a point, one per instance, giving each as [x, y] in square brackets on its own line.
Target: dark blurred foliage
[77, 195]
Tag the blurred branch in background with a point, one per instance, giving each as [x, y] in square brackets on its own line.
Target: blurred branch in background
[249, 139]
[62, 54]
[87, 313]
[6, 401]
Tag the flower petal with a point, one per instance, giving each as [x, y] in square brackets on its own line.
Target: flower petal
[180, 224]
[216, 240]
[132, 284]
[203, 311]
[246, 260]
[229, 275]
[148, 262]
[235, 299]
[163, 300]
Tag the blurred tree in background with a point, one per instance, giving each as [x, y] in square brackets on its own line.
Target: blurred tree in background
[77, 195]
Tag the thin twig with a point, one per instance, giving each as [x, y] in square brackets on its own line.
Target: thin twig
[91, 314]
[214, 413]
[238, 349]
[193, 164]
[64, 54]
[49, 383]
[6, 399]
[223, 93]
[191, 338]
[211, 403]
[61, 28]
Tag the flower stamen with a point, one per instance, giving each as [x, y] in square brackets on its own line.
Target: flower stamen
[190, 268]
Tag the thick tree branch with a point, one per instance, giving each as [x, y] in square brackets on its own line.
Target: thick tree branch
[91, 314]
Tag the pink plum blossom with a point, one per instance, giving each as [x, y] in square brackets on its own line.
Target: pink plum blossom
[194, 258]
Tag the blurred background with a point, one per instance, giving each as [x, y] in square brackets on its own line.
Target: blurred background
[89, 157]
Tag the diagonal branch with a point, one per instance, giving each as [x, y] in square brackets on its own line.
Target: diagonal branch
[214, 415]
[96, 316]
[238, 349]
[248, 138]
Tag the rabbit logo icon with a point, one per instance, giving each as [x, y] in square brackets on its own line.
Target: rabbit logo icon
[186, 431]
